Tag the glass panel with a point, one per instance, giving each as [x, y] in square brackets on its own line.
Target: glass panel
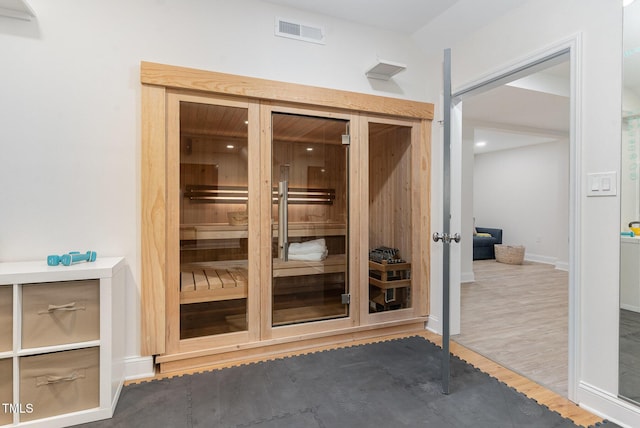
[213, 219]
[629, 328]
[310, 206]
[389, 217]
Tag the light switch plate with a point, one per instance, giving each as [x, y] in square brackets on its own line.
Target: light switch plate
[602, 184]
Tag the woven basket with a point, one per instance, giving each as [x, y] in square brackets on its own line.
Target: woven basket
[513, 255]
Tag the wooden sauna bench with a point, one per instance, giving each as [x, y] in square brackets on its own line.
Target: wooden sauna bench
[225, 231]
[213, 281]
[226, 280]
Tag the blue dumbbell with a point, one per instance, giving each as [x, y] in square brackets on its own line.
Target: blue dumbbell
[71, 257]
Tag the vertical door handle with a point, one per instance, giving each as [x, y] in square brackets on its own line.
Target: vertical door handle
[283, 220]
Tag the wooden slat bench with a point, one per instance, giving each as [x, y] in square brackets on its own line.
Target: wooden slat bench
[226, 280]
[212, 283]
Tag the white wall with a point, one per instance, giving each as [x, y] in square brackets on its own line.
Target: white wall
[525, 192]
[70, 107]
[70, 116]
[528, 30]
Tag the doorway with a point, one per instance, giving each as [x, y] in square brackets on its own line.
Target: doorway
[537, 79]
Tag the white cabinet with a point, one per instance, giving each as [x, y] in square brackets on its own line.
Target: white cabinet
[61, 342]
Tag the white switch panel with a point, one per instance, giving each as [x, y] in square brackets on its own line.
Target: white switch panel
[602, 184]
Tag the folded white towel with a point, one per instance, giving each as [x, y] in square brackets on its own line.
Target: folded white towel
[316, 246]
[311, 257]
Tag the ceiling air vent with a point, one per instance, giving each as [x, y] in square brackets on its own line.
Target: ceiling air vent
[299, 31]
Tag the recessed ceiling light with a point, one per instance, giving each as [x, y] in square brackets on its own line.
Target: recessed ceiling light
[309, 149]
[481, 143]
[246, 122]
[229, 146]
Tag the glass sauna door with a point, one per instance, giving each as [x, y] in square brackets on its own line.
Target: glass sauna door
[214, 195]
[309, 218]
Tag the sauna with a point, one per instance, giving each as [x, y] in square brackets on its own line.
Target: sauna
[278, 217]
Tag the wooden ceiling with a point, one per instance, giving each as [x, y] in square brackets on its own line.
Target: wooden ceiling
[308, 129]
[208, 120]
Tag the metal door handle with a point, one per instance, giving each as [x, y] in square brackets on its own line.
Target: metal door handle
[445, 237]
[283, 220]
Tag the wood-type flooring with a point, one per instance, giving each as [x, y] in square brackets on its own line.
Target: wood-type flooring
[517, 315]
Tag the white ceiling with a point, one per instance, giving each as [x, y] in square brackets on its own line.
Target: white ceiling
[532, 110]
[402, 16]
[408, 16]
[433, 24]
[505, 117]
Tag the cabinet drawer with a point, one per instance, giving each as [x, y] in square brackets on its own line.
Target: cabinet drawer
[6, 389]
[60, 382]
[57, 313]
[6, 318]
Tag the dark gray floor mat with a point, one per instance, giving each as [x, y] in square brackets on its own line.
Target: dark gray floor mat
[387, 384]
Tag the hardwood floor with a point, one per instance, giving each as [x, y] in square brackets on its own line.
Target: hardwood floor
[517, 315]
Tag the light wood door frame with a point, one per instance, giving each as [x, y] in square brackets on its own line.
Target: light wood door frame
[420, 204]
[268, 331]
[174, 344]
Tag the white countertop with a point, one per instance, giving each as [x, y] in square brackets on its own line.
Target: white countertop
[39, 271]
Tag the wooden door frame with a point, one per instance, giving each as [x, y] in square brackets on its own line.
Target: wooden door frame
[156, 80]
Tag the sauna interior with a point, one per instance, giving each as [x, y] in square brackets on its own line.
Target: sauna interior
[310, 164]
[213, 219]
[390, 216]
[287, 225]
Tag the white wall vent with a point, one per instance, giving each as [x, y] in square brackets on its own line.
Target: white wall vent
[299, 31]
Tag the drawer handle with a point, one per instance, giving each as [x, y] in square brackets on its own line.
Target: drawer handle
[52, 380]
[66, 307]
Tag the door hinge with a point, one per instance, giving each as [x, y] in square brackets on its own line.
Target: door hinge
[346, 299]
[346, 139]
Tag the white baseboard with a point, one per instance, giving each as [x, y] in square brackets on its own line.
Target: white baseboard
[540, 259]
[629, 307]
[434, 325]
[138, 368]
[560, 265]
[467, 277]
[608, 406]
